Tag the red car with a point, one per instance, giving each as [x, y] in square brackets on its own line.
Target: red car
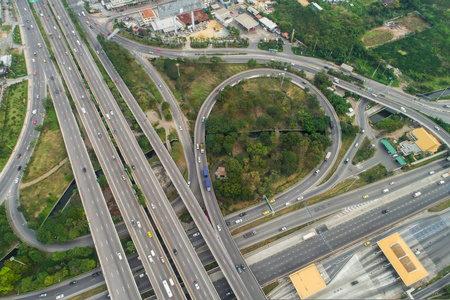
[19, 155]
[34, 73]
[117, 81]
[48, 19]
[95, 23]
[89, 18]
[217, 90]
[158, 49]
[102, 33]
[35, 122]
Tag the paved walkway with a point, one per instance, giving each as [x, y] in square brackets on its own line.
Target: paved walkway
[42, 177]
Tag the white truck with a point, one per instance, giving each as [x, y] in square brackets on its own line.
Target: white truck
[445, 175]
[327, 156]
[308, 236]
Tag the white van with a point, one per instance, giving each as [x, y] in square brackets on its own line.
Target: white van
[171, 281]
[385, 191]
[83, 13]
[83, 110]
[238, 221]
[107, 115]
[198, 147]
[441, 182]
[78, 42]
[152, 252]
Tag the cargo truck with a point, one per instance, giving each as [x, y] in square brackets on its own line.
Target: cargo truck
[202, 148]
[208, 184]
[308, 236]
[445, 175]
[327, 156]
[249, 234]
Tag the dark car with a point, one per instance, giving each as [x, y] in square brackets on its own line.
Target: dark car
[96, 274]
[175, 251]
[228, 223]
[19, 168]
[51, 77]
[238, 269]
[84, 170]
[242, 214]
[243, 267]
[133, 167]
[355, 282]
[56, 91]
[346, 160]
[73, 282]
[446, 166]
[229, 293]
[107, 296]
[385, 211]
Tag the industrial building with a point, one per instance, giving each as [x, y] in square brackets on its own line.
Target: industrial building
[247, 22]
[174, 8]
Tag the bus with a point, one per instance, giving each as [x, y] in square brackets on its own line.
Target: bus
[205, 171]
[273, 50]
[168, 291]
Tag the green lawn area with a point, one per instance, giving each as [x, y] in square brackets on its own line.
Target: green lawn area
[12, 114]
[37, 200]
[50, 148]
[440, 207]
[6, 28]
[18, 66]
[17, 39]
[377, 37]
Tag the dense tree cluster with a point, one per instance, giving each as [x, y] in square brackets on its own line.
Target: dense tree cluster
[40, 270]
[66, 225]
[7, 236]
[336, 34]
[288, 136]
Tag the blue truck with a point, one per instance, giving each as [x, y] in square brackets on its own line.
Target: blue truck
[208, 184]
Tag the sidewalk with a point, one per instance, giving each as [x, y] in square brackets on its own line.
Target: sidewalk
[42, 177]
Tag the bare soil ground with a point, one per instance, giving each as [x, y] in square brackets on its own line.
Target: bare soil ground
[209, 31]
[303, 2]
[153, 117]
[400, 28]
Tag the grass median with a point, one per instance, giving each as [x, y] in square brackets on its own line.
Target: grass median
[12, 115]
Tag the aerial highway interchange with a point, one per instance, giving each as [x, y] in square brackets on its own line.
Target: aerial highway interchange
[94, 100]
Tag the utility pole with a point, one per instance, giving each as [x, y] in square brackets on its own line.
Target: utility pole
[282, 80]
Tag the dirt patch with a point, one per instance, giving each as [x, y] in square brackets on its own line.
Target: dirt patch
[303, 2]
[397, 134]
[210, 30]
[153, 117]
[394, 30]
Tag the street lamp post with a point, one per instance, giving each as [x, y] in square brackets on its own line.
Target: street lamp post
[13, 259]
[282, 80]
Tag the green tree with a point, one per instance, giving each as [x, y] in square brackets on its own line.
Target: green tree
[252, 63]
[290, 140]
[7, 280]
[289, 163]
[102, 180]
[130, 247]
[58, 256]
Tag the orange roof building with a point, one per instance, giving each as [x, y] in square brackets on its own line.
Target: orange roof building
[424, 140]
[307, 281]
[402, 259]
[146, 16]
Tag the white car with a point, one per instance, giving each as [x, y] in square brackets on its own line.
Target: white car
[33, 60]
[119, 255]
[34, 111]
[300, 198]
[196, 234]
[16, 180]
[392, 183]
[111, 113]
[218, 228]
[60, 296]
[196, 285]
[139, 224]
[150, 258]
[181, 129]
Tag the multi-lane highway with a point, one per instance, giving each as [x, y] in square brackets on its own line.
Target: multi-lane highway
[195, 278]
[133, 156]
